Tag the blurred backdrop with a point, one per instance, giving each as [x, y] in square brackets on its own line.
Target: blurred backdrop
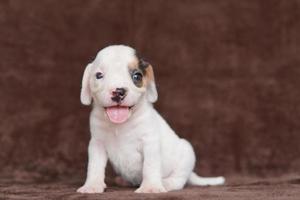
[227, 74]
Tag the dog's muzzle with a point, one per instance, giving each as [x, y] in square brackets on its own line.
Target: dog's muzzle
[118, 113]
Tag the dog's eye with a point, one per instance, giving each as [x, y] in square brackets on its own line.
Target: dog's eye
[137, 77]
[99, 75]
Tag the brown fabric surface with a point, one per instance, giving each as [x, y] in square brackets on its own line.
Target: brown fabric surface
[286, 187]
[227, 74]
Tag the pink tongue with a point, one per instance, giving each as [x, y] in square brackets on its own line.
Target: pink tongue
[117, 114]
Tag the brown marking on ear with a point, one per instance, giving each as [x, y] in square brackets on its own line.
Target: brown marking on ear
[149, 75]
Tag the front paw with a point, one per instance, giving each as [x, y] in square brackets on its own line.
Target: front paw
[95, 188]
[150, 189]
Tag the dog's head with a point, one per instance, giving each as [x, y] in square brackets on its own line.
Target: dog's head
[117, 80]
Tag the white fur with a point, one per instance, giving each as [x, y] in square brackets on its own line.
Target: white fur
[144, 150]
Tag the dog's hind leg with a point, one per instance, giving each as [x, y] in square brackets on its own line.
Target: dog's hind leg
[182, 168]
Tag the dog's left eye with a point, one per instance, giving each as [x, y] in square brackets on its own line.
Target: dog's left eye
[137, 77]
[99, 75]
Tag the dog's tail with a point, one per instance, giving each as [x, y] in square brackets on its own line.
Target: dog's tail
[194, 179]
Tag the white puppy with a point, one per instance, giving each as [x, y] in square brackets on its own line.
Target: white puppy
[127, 130]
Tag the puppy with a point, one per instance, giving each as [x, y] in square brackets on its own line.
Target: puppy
[128, 131]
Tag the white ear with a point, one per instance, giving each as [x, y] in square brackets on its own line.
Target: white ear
[152, 92]
[85, 95]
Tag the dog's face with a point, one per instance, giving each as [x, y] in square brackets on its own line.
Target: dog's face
[117, 80]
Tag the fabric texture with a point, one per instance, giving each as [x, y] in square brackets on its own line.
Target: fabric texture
[227, 74]
[286, 187]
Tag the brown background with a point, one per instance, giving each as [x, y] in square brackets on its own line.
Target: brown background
[227, 74]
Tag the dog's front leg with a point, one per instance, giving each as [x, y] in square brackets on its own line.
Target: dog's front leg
[96, 168]
[152, 179]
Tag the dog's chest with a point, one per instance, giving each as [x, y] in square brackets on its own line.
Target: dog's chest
[126, 158]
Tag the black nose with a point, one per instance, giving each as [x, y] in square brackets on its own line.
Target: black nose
[118, 95]
[121, 92]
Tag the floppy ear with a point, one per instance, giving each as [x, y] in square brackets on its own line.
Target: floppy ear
[85, 95]
[151, 93]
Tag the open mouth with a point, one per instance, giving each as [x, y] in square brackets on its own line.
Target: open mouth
[118, 114]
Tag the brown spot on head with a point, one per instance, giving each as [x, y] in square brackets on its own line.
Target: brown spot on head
[140, 67]
[143, 65]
